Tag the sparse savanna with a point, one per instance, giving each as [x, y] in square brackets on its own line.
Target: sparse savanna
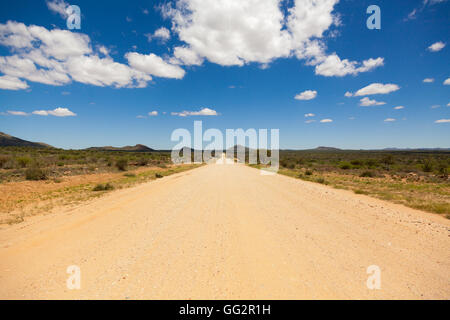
[208, 151]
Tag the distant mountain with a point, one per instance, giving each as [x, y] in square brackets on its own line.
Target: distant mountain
[136, 148]
[9, 141]
[321, 148]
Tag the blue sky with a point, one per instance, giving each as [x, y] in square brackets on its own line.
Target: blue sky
[239, 65]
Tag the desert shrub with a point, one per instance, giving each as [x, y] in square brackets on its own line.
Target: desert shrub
[357, 162]
[321, 180]
[308, 173]
[142, 162]
[3, 161]
[345, 166]
[158, 175]
[371, 163]
[130, 175]
[103, 187]
[388, 159]
[23, 161]
[368, 174]
[122, 164]
[35, 174]
[427, 166]
[60, 164]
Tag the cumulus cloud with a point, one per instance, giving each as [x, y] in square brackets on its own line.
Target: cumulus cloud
[306, 95]
[162, 33]
[428, 80]
[202, 112]
[153, 113]
[399, 107]
[334, 66]
[58, 112]
[58, 57]
[235, 32]
[12, 83]
[437, 46]
[389, 120]
[377, 88]
[447, 82]
[154, 65]
[326, 120]
[310, 121]
[348, 94]
[366, 102]
[186, 56]
[307, 115]
[442, 121]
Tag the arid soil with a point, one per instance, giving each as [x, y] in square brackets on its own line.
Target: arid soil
[225, 231]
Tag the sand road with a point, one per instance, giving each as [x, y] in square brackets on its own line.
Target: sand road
[228, 232]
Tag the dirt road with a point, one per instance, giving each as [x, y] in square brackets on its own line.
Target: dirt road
[225, 231]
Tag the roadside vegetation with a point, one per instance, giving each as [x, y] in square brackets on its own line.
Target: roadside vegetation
[34, 181]
[418, 179]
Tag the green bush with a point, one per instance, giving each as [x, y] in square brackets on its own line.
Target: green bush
[3, 161]
[321, 180]
[368, 174]
[427, 166]
[122, 164]
[158, 175]
[308, 173]
[103, 187]
[345, 166]
[35, 174]
[23, 161]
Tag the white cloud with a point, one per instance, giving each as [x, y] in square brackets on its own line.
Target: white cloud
[437, 46]
[58, 6]
[186, 56]
[389, 120]
[307, 115]
[348, 94]
[58, 112]
[162, 33]
[236, 32]
[435, 106]
[428, 80]
[145, 11]
[399, 107]
[17, 113]
[202, 112]
[12, 83]
[57, 57]
[447, 82]
[377, 88]
[140, 117]
[153, 113]
[326, 120]
[448, 104]
[442, 121]
[154, 65]
[366, 102]
[334, 66]
[306, 95]
[310, 121]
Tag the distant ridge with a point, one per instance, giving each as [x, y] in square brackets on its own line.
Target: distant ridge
[9, 141]
[322, 148]
[136, 148]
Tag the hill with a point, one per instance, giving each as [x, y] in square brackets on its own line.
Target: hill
[9, 141]
[136, 148]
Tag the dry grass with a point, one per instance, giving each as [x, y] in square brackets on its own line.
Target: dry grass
[27, 198]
